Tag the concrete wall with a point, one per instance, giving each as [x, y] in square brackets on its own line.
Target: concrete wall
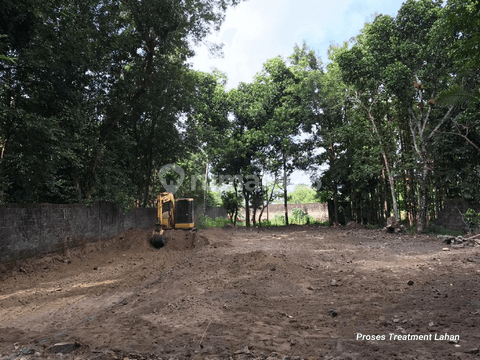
[212, 212]
[450, 216]
[35, 229]
[316, 210]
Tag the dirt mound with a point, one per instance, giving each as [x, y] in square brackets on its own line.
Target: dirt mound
[217, 237]
[184, 240]
[215, 234]
[133, 239]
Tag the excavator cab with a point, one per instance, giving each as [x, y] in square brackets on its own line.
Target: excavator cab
[184, 214]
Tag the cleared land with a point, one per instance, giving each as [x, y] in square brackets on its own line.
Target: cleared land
[303, 292]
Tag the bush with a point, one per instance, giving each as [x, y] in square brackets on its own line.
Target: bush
[205, 221]
[278, 220]
[301, 218]
[472, 219]
[298, 217]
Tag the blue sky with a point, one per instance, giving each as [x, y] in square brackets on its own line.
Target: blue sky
[258, 30]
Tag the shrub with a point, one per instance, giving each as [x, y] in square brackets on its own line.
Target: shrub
[301, 218]
[472, 219]
[205, 221]
[298, 217]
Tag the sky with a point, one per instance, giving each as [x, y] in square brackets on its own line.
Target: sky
[258, 30]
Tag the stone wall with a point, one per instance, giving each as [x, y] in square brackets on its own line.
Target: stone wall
[450, 216]
[34, 229]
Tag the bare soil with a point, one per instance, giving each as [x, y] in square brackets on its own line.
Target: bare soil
[296, 292]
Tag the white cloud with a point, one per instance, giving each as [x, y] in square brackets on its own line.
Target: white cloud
[258, 30]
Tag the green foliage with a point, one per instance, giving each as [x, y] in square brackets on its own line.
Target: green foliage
[278, 220]
[231, 202]
[301, 218]
[205, 222]
[298, 218]
[92, 94]
[95, 97]
[472, 219]
[303, 195]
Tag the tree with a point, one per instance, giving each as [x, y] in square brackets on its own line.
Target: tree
[231, 202]
[283, 109]
[87, 82]
[303, 195]
[242, 141]
[405, 58]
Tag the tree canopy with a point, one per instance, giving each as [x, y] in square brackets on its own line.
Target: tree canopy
[96, 97]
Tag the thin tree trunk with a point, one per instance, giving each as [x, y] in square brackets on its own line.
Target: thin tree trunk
[335, 191]
[285, 195]
[335, 203]
[2, 176]
[423, 211]
[387, 167]
[247, 207]
[236, 207]
[269, 199]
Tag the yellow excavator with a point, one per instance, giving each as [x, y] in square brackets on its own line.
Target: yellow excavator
[172, 214]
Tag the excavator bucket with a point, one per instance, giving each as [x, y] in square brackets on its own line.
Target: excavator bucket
[158, 240]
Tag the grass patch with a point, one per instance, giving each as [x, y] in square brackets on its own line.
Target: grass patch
[295, 219]
[205, 222]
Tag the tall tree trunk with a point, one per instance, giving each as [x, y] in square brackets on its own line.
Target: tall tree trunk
[380, 202]
[391, 181]
[269, 199]
[335, 191]
[357, 210]
[335, 203]
[285, 193]
[387, 167]
[352, 208]
[423, 211]
[246, 194]
[411, 196]
[418, 125]
[205, 191]
[437, 193]
[361, 211]
[2, 176]
[236, 208]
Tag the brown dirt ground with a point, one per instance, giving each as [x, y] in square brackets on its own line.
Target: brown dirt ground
[297, 292]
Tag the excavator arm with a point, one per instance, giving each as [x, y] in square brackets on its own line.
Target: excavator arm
[165, 211]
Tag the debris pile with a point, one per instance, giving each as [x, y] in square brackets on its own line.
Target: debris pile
[460, 241]
[393, 226]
